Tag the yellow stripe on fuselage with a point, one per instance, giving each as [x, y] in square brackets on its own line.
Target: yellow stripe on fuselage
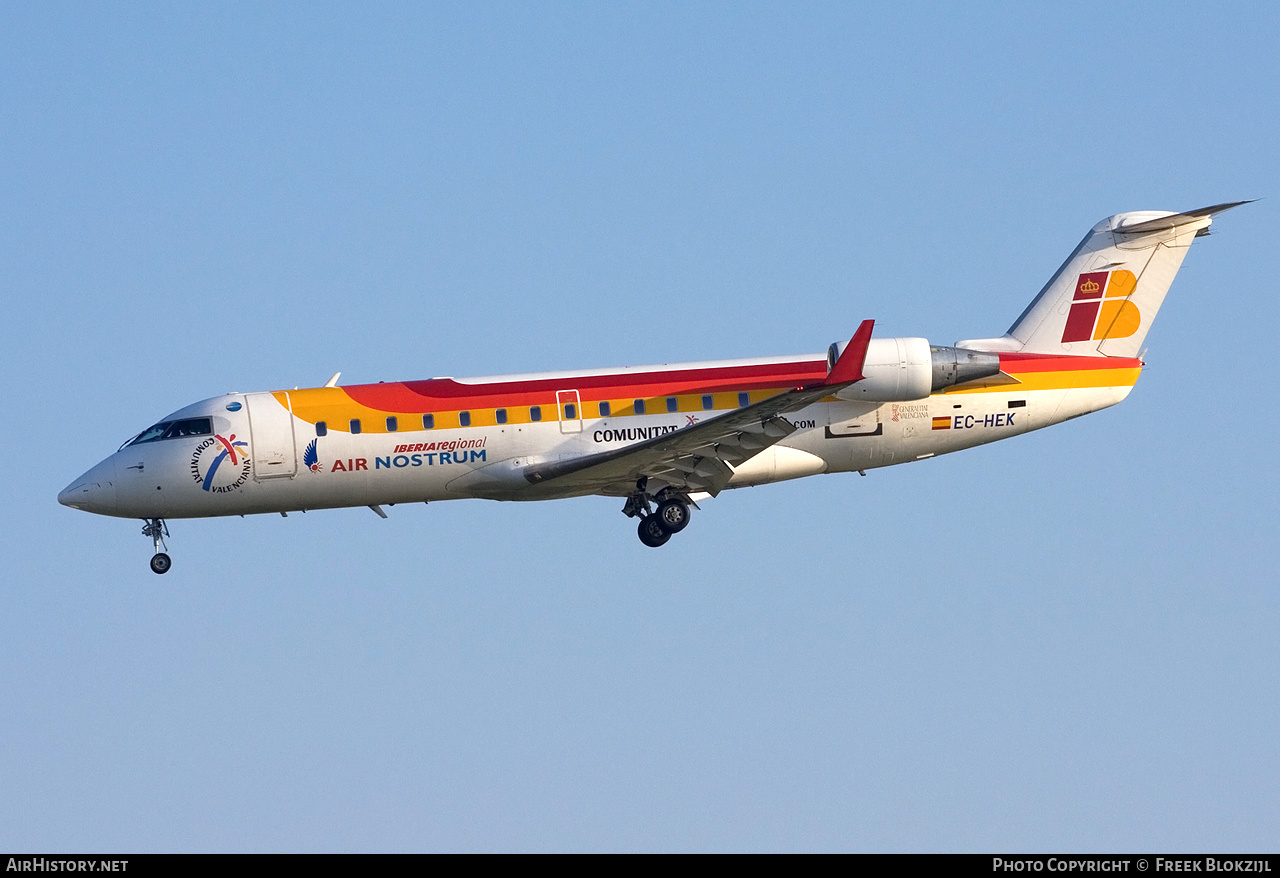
[1064, 380]
[333, 406]
[336, 409]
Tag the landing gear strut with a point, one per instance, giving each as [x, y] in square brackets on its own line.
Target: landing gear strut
[158, 530]
[657, 526]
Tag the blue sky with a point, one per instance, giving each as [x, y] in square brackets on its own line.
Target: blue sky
[1065, 641]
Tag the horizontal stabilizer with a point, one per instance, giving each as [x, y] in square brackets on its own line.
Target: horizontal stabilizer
[1174, 220]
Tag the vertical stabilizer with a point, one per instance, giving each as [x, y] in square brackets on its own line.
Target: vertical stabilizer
[1103, 299]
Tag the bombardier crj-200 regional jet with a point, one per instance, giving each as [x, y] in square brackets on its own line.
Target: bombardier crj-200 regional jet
[662, 437]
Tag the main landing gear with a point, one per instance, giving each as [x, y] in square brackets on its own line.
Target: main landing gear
[657, 525]
[158, 530]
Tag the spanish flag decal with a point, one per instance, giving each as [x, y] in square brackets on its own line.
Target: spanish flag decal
[942, 423]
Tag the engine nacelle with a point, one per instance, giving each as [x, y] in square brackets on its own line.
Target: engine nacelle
[900, 369]
[896, 369]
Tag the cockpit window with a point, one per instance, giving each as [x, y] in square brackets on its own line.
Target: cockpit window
[150, 434]
[174, 430]
[189, 427]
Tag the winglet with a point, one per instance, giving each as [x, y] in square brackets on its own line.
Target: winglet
[848, 368]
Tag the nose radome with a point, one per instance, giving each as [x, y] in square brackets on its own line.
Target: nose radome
[67, 495]
[95, 491]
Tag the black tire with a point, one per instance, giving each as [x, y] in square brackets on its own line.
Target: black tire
[160, 563]
[672, 515]
[651, 533]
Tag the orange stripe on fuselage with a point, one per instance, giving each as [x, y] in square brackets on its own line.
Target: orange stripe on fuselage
[446, 397]
[1055, 372]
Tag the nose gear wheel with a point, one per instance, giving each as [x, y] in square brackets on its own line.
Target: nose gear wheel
[158, 530]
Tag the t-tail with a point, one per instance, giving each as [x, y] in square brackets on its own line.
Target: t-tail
[1103, 299]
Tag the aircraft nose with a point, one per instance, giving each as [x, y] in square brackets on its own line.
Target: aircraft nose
[95, 491]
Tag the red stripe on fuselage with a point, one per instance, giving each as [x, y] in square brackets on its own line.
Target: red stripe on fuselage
[1012, 364]
[446, 393]
[437, 394]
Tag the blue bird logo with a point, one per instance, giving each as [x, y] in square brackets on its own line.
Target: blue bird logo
[311, 458]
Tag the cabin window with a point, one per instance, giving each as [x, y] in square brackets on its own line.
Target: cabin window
[744, 400]
[604, 409]
[322, 428]
[706, 401]
[428, 422]
[639, 404]
[355, 425]
[464, 418]
[672, 404]
[502, 416]
[535, 413]
[392, 424]
[570, 412]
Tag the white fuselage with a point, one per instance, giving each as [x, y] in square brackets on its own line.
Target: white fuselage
[170, 477]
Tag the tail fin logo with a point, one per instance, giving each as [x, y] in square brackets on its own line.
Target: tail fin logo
[1096, 315]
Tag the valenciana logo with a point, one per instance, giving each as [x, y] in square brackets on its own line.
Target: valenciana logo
[1101, 309]
[221, 464]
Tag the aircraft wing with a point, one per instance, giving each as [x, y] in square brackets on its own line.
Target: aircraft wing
[698, 457]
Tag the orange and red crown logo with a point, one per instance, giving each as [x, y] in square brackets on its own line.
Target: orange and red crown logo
[1096, 315]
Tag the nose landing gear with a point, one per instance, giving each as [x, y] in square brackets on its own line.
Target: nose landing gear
[158, 530]
[657, 526]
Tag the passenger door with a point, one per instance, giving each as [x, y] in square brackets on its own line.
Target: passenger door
[271, 444]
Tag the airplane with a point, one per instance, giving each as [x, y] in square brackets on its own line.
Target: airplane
[662, 437]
